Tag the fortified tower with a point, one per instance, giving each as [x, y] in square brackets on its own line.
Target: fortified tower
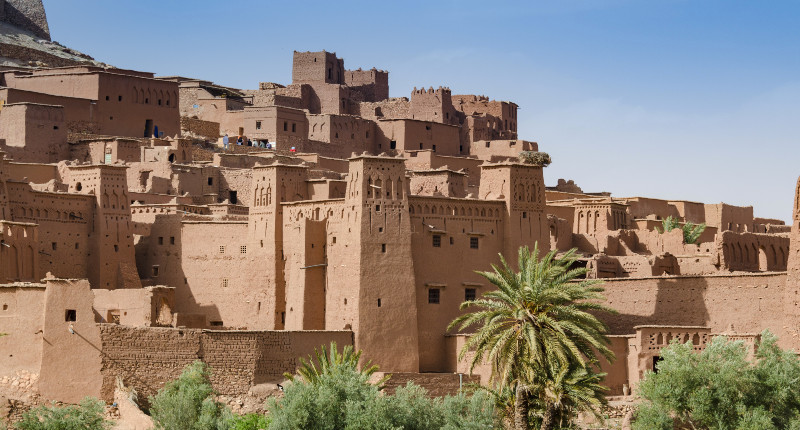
[433, 105]
[792, 295]
[272, 185]
[521, 186]
[379, 261]
[112, 254]
[317, 68]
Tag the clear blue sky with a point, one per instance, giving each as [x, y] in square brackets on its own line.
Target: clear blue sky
[694, 99]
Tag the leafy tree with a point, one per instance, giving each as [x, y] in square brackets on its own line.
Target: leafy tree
[536, 318]
[188, 403]
[88, 415]
[720, 389]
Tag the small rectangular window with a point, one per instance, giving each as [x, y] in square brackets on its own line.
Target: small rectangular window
[433, 296]
[473, 242]
[243, 249]
[377, 208]
[216, 323]
[294, 127]
[224, 282]
[77, 245]
[160, 240]
[451, 240]
[258, 125]
[70, 315]
[524, 214]
[285, 126]
[383, 247]
[392, 144]
[420, 145]
[379, 302]
[487, 144]
[469, 294]
[437, 241]
[155, 271]
[172, 240]
[54, 246]
[434, 148]
[222, 249]
[210, 181]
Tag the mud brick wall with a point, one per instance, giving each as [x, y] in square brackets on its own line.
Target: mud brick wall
[200, 128]
[146, 357]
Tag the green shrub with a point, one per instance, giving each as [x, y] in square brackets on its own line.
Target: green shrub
[188, 403]
[248, 422]
[335, 393]
[88, 415]
[720, 389]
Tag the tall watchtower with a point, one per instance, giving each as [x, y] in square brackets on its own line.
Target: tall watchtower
[379, 263]
[521, 186]
[317, 68]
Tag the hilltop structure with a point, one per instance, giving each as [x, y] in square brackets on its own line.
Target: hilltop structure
[134, 241]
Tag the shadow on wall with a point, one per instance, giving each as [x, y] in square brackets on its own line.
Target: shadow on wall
[675, 303]
[168, 257]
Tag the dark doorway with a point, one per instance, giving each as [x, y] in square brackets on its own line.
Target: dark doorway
[171, 158]
[656, 359]
[148, 128]
[232, 197]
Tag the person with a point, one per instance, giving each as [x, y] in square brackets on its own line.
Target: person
[225, 141]
[155, 131]
[269, 145]
[239, 140]
[293, 150]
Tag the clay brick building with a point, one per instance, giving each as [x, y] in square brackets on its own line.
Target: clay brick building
[363, 222]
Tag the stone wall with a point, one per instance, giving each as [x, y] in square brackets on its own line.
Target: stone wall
[147, 358]
[200, 129]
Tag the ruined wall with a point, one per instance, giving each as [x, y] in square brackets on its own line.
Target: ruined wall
[147, 358]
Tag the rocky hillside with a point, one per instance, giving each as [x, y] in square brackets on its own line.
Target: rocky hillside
[22, 48]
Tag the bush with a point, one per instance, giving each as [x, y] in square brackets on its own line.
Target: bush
[719, 389]
[248, 422]
[88, 415]
[338, 395]
[188, 403]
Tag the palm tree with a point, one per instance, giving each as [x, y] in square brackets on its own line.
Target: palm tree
[333, 361]
[668, 224]
[565, 390]
[538, 316]
[692, 232]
